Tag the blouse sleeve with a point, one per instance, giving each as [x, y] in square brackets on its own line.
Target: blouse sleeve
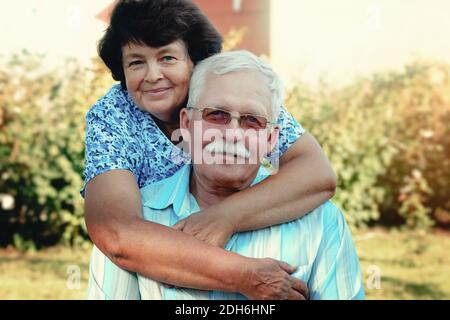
[109, 144]
[290, 130]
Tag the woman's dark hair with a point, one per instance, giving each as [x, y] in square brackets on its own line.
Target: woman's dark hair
[157, 23]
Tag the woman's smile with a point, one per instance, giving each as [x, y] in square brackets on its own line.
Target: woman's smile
[158, 93]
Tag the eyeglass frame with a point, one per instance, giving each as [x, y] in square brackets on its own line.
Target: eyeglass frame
[238, 118]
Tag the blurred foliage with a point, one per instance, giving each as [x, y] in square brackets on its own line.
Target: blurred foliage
[388, 138]
[234, 38]
[42, 148]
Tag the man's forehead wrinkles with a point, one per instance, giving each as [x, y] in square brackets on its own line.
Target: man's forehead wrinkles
[230, 102]
[242, 92]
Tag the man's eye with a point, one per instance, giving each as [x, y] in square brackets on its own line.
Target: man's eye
[218, 113]
[252, 119]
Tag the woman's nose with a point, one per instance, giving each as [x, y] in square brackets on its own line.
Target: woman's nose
[153, 73]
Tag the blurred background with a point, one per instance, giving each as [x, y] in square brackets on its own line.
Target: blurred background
[369, 79]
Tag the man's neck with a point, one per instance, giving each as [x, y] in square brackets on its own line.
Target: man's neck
[208, 193]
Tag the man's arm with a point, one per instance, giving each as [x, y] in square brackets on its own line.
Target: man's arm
[304, 181]
[113, 217]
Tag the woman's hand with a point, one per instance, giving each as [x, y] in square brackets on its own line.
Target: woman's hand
[214, 229]
[268, 279]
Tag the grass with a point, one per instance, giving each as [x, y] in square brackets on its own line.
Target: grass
[410, 265]
[47, 274]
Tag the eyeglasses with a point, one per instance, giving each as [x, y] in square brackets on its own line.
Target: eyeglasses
[223, 117]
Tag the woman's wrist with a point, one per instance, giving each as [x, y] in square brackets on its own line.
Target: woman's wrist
[240, 274]
[227, 218]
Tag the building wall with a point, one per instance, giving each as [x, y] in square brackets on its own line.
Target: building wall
[254, 15]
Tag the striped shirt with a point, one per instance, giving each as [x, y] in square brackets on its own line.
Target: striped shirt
[319, 243]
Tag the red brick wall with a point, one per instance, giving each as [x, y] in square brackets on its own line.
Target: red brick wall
[254, 14]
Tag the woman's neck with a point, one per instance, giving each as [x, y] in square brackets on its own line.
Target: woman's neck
[167, 127]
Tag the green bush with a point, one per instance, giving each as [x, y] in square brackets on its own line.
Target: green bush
[388, 138]
[42, 147]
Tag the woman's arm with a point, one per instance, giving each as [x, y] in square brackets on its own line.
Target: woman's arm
[113, 217]
[304, 181]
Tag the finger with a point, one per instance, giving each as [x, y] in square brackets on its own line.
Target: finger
[180, 225]
[295, 295]
[300, 287]
[287, 267]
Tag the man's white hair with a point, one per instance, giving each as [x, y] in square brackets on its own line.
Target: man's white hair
[234, 61]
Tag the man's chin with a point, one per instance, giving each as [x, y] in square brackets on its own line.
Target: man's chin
[232, 175]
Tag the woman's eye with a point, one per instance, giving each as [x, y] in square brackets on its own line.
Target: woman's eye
[168, 59]
[134, 63]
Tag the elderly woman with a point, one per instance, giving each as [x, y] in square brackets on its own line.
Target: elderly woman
[151, 47]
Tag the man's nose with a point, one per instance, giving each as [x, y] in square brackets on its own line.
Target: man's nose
[234, 123]
[234, 132]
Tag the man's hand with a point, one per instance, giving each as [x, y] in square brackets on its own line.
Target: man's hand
[270, 279]
[213, 229]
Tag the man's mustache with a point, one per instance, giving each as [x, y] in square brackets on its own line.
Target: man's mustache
[219, 146]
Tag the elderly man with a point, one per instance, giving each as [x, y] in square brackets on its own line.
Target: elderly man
[230, 124]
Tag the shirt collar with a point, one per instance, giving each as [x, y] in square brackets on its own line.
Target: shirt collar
[171, 191]
[175, 191]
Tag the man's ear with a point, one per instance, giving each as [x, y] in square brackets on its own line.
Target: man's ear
[184, 123]
[184, 118]
[273, 138]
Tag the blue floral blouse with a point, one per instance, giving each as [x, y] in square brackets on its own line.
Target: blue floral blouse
[121, 136]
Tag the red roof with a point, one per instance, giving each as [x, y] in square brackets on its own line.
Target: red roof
[253, 15]
[105, 14]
